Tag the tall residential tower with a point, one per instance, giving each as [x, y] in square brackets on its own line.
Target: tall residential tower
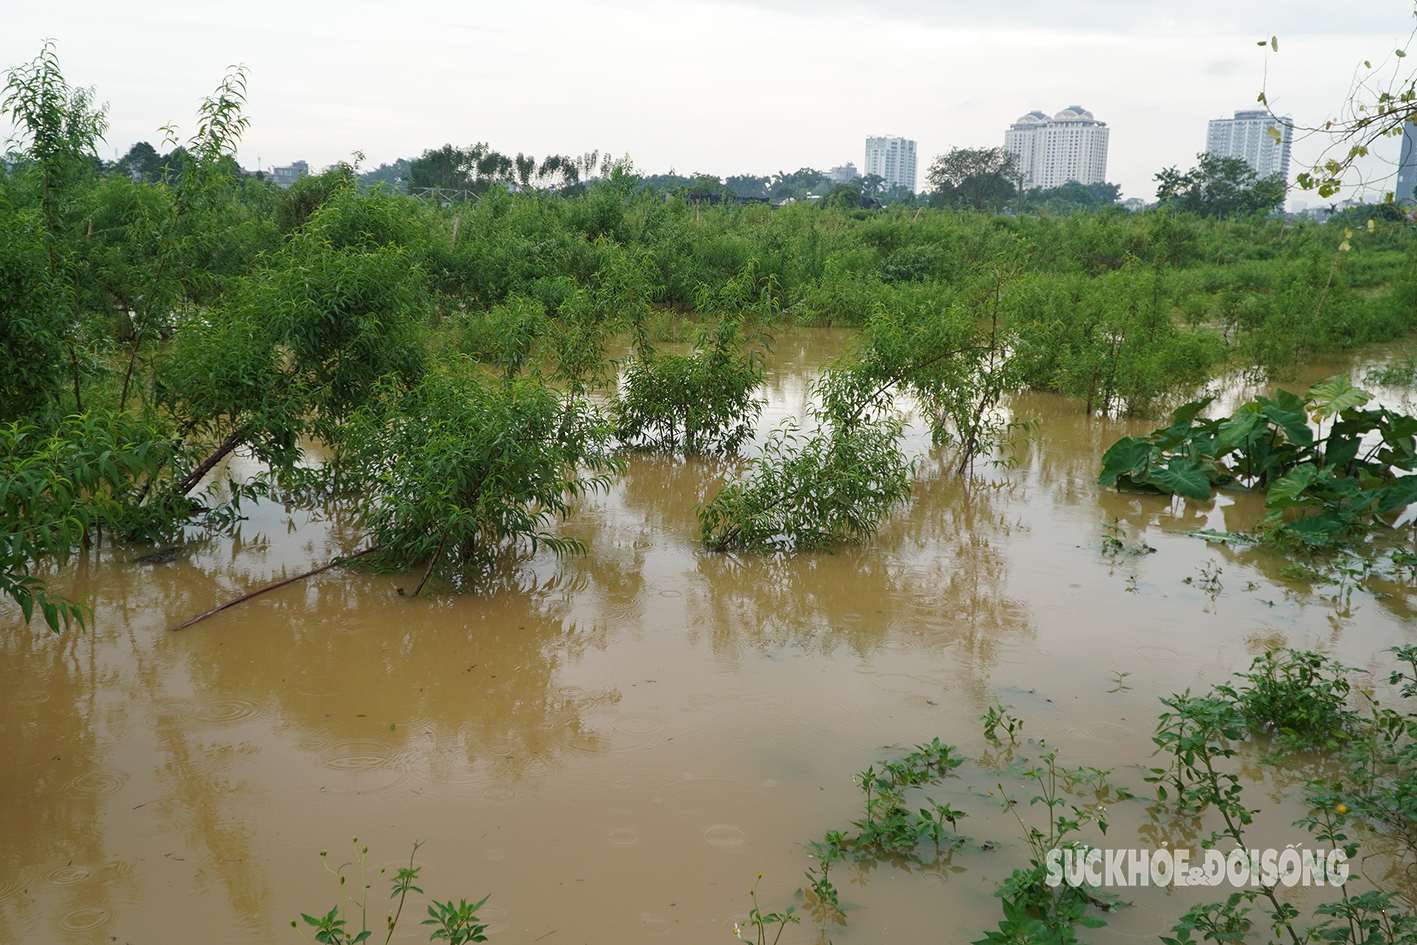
[1069, 146]
[1246, 136]
[893, 159]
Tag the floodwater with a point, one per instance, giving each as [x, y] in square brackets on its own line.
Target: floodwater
[614, 747]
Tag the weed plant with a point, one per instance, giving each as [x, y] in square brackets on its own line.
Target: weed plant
[454, 923]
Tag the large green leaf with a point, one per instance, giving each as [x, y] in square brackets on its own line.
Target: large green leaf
[1128, 456]
[1401, 493]
[1336, 395]
[1341, 450]
[1184, 477]
[1294, 482]
[1294, 424]
[1317, 529]
[1245, 426]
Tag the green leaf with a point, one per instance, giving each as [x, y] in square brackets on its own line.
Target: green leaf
[1316, 529]
[1184, 477]
[1401, 493]
[1294, 424]
[1292, 484]
[1229, 538]
[1336, 395]
[1128, 456]
[1240, 429]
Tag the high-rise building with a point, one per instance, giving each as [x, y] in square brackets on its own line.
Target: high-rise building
[893, 159]
[283, 177]
[1069, 146]
[1402, 191]
[843, 173]
[1246, 136]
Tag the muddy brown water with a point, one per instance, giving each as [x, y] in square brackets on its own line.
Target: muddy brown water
[613, 747]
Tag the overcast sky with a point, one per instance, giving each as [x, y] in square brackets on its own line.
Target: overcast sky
[726, 88]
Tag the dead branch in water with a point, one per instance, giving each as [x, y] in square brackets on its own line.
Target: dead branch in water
[270, 587]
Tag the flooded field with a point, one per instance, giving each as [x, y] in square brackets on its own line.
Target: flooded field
[614, 746]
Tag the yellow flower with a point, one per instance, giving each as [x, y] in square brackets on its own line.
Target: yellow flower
[1342, 808]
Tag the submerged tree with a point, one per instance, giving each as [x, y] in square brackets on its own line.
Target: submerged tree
[702, 402]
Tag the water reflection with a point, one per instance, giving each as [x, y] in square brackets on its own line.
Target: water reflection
[631, 734]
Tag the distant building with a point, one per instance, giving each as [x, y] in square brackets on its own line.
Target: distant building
[1051, 151]
[893, 160]
[285, 176]
[1134, 204]
[1402, 191]
[1247, 136]
[844, 173]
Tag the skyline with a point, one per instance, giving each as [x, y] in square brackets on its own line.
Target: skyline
[719, 88]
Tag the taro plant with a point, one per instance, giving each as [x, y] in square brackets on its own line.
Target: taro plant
[1323, 486]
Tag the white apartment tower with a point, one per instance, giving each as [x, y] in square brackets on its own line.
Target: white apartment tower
[893, 159]
[1406, 186]
[1069, 146]
[1246, 136]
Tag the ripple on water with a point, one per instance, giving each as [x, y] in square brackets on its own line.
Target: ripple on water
[1103, 731]
[226, 710]
[84, 920]
[907, 721]
[655, 927]
[67, 875]
[357, 755]
[12, 886]
[899, 682]
[106, 781]
[1159, 654]
[29, 696]
[637, 733]
[622, 836]
[497, 918]
[725, 836]
[705, 801]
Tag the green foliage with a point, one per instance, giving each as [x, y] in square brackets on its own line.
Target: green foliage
[1219, 187]
[973, 177]
[1069, 198]
[460, 468]
[702, 402]
[458, 924]
[759, 923]
[60, 491]
[1301, 697]
[814, 491]
[1268, 444]
[455, 924]
[1034, 910]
